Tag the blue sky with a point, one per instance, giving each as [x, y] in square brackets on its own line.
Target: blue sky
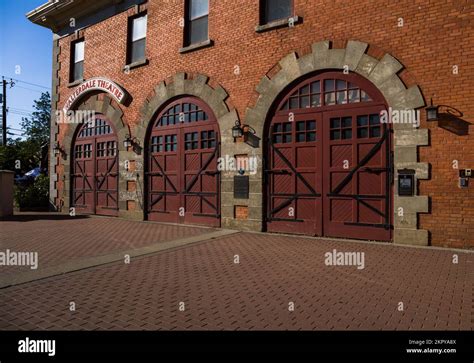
[28, 46]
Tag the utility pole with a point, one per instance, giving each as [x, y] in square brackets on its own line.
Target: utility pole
[4, 112]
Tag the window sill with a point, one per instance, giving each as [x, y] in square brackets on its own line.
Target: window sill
[196, 46]
[75, 83]
[282, 23]
[136, 64]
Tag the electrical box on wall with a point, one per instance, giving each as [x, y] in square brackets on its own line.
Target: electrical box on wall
[464, 175]
[406, 182]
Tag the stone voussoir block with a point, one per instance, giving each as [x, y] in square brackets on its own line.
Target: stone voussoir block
[320, 52]
[353, 53]
[387, 67]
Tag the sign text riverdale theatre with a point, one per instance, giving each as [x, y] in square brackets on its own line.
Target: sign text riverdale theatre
[93, 84]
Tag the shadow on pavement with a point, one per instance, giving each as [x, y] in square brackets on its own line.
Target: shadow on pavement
[28, 217]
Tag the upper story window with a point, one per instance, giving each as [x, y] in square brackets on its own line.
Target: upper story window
[77, 64]
[137, 39]
[273, 10]
[197, 21]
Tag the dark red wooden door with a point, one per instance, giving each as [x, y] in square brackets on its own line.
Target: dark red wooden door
[356, 180]
[294, 176]
[182, 176]
[95, 169]
[329, 161]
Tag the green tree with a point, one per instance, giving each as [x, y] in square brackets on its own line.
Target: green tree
[29, 151]
[37, 127]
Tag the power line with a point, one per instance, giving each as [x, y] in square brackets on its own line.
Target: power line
[11, 128]
[20, 114]
[20, 109]
[29, 89]
[31, 84]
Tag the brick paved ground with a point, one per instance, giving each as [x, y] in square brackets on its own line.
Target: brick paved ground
[60, 238]
[254, 294]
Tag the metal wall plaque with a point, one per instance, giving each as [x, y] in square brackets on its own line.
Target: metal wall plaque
[406, 182]
[241, 187]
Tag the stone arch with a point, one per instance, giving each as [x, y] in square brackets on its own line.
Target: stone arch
[183, 85]
[384, 75]
[114, 114]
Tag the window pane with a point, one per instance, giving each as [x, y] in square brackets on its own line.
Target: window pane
[198, 30]
[328, 85]
[375, 131]
[316, 101]
[304, 90]
[277, 9]
[305, 102]
[78, 70]
[341, 97]
[311, 136]
[315, 87]
[310, 125]
[330, 99]
[347, 134]
[341, 85]
[198, 8]
[300, 126]
[346, 122]
[300, 137]
[78, 52]
[335, 135]
[362, 120]
[138, 51]
[362, 133]
[364, 97]
[139, 28]
[353, 96]
[293, 103]
[374, 119]
[335, 123]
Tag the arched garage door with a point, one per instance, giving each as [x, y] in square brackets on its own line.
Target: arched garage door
[95, 168]
[182, 179]
[329, 159]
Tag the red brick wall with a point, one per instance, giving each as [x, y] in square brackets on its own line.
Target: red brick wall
[436, 36]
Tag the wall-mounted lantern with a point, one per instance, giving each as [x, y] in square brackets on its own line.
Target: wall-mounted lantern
[433, 111]
[130, 142]
[237, 130]
[127, 142]
[57, 149]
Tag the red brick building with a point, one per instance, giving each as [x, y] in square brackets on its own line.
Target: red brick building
[328, 101]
